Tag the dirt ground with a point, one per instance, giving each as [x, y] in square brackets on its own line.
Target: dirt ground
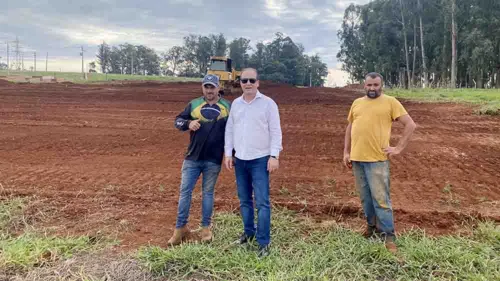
[107, 158]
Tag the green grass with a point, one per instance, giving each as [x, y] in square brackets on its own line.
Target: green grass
[77, 77]
[487, 99]
[11, 211]
[32, 248]
[302, 252]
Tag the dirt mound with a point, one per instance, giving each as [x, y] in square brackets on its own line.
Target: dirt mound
[107, 157]
[4, 82]
[271, 84]
[354, 87]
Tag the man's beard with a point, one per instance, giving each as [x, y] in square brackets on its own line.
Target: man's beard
[373, 94]
[211, 96]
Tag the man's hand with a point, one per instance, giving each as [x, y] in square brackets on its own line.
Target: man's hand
[194, 125]
[347, 160]
[273, 164]
[392, 151]
[228, 162]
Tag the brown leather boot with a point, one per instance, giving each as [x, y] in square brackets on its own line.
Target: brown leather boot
[390, 245]
[178, 236]
[206, 234]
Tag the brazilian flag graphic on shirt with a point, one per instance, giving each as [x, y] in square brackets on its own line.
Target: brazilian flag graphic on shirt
[205, 112]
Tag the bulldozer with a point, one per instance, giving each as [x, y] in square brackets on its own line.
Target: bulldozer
[229, 78]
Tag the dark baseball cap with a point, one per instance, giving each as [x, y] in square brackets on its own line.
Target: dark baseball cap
[211, 79]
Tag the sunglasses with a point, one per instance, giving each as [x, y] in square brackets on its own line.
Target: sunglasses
[245, 80]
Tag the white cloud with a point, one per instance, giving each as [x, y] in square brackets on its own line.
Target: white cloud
[60, 28]
[95, 35]
[275, 8]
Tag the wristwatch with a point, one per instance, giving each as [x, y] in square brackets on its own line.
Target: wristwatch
[275, 157]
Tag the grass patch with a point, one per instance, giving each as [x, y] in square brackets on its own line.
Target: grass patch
[77, 77]
[35, 250]
[11, 213]
[302, 252]
[487, 99]
[32, 248]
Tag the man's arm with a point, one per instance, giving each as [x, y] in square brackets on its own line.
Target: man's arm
[347, 145]
[182, 120]
[228, 136]
[407, 133]
[275, 130]
[276, 137]
[228, 142]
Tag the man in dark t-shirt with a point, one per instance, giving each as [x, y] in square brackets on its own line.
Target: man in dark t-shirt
[205, 117]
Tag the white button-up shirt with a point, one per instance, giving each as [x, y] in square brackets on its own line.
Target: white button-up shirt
[253, 128]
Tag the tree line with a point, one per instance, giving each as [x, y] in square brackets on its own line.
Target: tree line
[281, 60]
[413, 43]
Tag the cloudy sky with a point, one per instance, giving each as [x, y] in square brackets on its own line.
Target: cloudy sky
[60, 27]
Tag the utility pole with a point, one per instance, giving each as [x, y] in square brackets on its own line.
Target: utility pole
[310, 78]
[8, 60]
[18, 66]
[83, 71]
[22, 62]
[132, 69]
[35, 61]
[46, 61]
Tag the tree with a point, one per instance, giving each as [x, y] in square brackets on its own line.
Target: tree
[197, 52]
[351, 51]
[459, 42]
[174, 57]
[104, 57]
[149, 60]
[319, 71]
[257, 59]
[219, 44]
[238, 52]
[281, 60]
[422, 47]
[92, 66]
[115, 61]
[453, 45]
[406, 45]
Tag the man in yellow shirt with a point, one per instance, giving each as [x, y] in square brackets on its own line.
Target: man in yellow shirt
[367, 149]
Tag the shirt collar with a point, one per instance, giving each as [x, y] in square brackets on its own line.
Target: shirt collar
[257, 96]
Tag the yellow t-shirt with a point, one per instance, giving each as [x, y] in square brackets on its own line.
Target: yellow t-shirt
[371, 126]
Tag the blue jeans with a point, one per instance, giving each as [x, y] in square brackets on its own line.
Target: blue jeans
[252, 176]
[373, 183]
[191, 171]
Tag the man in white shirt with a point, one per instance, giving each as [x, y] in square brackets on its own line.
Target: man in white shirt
[253, 130]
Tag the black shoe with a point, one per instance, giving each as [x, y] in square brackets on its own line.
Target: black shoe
[245, 239]
[263, 251]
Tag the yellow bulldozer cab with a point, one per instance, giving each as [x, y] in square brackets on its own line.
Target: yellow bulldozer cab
[228, 77]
